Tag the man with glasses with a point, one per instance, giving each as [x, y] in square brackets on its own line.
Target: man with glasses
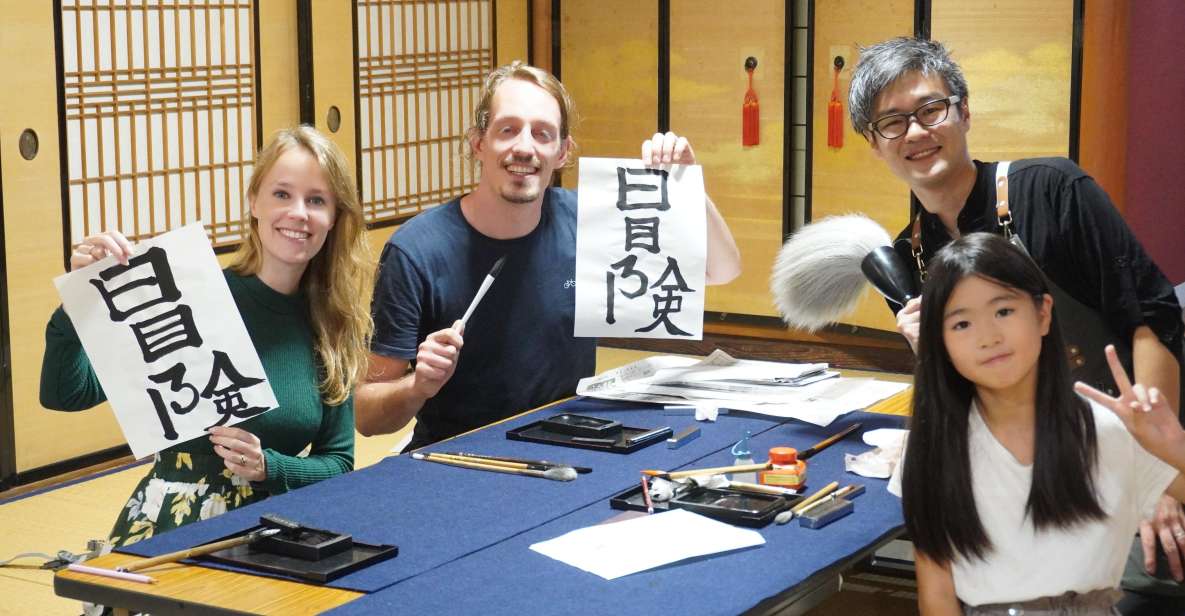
[909, 99]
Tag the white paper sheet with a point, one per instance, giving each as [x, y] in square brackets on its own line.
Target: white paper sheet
[621, 548]
[722, 381]
[166, 340]
[641, 245]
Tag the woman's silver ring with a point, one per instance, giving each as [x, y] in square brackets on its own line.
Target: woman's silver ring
[243, 462]
[1179, 534]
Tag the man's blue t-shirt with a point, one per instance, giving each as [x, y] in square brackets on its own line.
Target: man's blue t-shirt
[519, 351]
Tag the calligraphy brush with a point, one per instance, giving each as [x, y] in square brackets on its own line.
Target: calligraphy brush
[838, 494]
[789, 514]
[556, 473]
[481, 291]
[502, 463]
[745, 486]
[816, 278]
[200, 550]
[738, 468]
[827, 442]
[539, 465]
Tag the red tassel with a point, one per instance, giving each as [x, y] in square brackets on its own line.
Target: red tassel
[751, 131]
[750, 116]
[834, 124]
[835, 116]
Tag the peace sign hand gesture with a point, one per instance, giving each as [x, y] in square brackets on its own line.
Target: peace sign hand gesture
[1145, 413]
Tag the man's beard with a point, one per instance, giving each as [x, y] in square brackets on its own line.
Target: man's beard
[522, 194]
[522, 197]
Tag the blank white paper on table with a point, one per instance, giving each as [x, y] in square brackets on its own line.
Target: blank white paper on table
[621, 548]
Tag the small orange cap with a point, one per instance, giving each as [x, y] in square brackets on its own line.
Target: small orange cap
[783, 456]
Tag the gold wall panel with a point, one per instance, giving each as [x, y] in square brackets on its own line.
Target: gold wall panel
[610, 67]
[33, 237]
[333, 74]
[708, 83]
[1016, 55]
[540, 34]
[279, 73]
[510, 24]
[850, 179]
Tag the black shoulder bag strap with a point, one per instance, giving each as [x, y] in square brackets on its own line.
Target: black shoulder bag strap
[1084, 330]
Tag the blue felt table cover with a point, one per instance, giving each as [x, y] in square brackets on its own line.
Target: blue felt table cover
[439, 515]
[508, 578]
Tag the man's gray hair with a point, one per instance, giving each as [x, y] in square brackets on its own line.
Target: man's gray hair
[883, 63]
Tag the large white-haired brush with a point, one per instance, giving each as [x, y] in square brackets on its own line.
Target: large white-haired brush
[820, 271]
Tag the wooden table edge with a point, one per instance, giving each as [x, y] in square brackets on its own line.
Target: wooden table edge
[183, 588]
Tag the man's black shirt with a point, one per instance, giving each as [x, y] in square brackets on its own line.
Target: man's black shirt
[1076, 236]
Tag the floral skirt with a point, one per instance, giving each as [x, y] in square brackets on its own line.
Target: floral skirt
[181, 488]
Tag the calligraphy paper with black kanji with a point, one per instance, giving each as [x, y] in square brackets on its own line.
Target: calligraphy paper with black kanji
[166, 341]
[640, 250]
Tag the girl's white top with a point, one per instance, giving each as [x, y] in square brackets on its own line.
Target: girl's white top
[1025, 564]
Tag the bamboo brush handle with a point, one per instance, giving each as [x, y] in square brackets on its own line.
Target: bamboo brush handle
[482, 467]
[482, 461]
[738, 468]
[172, 557]
[824, 491]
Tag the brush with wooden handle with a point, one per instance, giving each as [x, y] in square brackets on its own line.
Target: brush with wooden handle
[717, 470]
[789, 514]
[556, 473]
[200, 550]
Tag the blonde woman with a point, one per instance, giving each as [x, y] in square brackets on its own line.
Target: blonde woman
[298, 280]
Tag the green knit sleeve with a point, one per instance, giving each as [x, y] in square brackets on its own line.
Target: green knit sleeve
[68, 383]
[331, 453]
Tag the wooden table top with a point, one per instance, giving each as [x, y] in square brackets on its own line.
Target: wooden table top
[184, 587]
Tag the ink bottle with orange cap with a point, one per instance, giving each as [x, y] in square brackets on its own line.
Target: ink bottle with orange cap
[786, 470]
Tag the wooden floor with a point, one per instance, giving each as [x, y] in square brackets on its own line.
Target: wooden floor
[64, 518]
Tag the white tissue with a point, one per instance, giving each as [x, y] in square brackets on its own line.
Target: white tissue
[882, 459]
[706, 413]
[703, 412]
[710, 481]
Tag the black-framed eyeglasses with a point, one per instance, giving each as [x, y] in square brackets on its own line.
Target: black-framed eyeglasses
[931, 113]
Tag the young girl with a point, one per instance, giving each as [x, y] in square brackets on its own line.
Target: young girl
[1017, 493]
[300, 281]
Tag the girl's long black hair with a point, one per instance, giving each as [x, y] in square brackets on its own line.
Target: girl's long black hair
[937, 497]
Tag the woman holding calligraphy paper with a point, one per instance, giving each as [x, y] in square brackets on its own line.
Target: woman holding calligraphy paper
[304, 229]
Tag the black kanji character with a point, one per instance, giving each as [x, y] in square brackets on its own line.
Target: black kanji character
[642, 233]
[229, 400]
[668, 303]
[166, 332]
[624, 188]
[161, 277]
[174, 377]
[626, 266]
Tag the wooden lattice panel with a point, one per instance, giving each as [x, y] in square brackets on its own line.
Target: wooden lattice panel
[159, 114]
[420, 70]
